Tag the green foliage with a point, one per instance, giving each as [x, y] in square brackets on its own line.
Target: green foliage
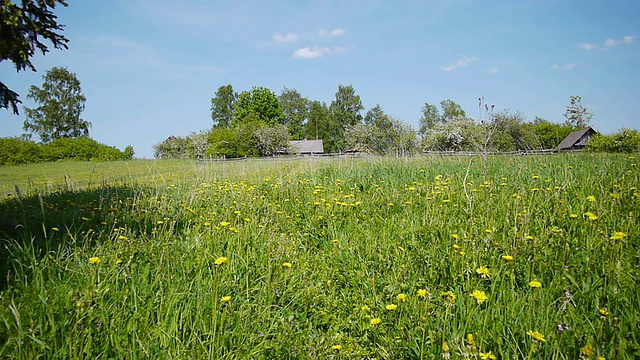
[430, 118]
[271, 140]
[451, 110]
[624, 141]
[346, 107]
[512, 133]
[193, 146]
[223, 106]
[14, 151]
[296, 112]
[22, 30]
[460, 134]
[261, 105]
[577, 114]
[323, 125]
[550, 134]
[61, 104]
[381, 134]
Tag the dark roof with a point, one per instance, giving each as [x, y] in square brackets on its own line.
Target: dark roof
[306, 146]
[573, 138]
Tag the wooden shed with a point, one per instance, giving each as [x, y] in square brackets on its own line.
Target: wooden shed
[577, 140]
[306, 147]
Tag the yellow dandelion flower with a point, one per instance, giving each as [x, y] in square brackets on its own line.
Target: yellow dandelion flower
[536, 336]
[445, 346]
[55, 229]
[450, 296]
[601, 358]
[287, 264]
[587, 350]
[483, 271]
[591, 216]
[79, 304]
[375, 321]
[225, 299]
[535, 284]
[487, 356]
[529, 237]
[422, 293]
[94, 260]
[455, 236]
[391, 307]
[479, 295]
[489, 231]
[224, 223]
[119, 261]
[336, 347]
[573, 216]
[604, 312]
[402, 297]
[507, 257]
[365, 308]
[618, 235]
[591, 198]
[221, 260]
[159, 222]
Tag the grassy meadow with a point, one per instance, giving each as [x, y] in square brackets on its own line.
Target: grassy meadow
[524, 257]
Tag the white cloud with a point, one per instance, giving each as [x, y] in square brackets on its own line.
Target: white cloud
[459, 64]
[608, 43]
[570, 66]
[284, 39]
[316, 52]
[493, 70]
[334, 32]
[587, 46]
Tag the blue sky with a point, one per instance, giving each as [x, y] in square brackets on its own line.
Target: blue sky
[150, 67]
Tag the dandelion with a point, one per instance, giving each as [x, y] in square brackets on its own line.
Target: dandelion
[455, 236]
[618, 235]
[79, 304]
[221, 260]
[536, 336]
[489, 231]
[224, 223]
[573, 216]
[225, 299]
[287, 264]
[336, 347]
[391, 307]
[422, 293]
[119, 261]
[529, 237]
[55, 229]
[587, 350]
[479, 295]
[604, 312]
[535, 284]
[591, 216]
[375, 321]
[449, 296]
[507, 257]
[591, 198]
[365, 308]
[402, 297]
[483, 271]
[445, 346]
[487, 356]
[159, 222]
[94, 260]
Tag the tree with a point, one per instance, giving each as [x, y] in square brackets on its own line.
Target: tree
[272, 139]
[61, 103]
[260, 104]
[296, 111]
[22, 30]
[451, 110]
[430, 118]
[223, 106]
[550, 134]
[577, 114]
[347, 106]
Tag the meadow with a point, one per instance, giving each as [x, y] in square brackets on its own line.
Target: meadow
[505, 257]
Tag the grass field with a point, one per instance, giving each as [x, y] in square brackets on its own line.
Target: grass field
[529, 257]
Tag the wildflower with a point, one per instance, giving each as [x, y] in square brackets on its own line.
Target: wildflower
[365, 308]
[79, 304]
[402, 297]
[375, 321]
[591, 198]
[487, 356]
[536, 336]
[604, 312]
[587, 350]
[287, 264]
[573, 216]
[159, 222]
[225, 299]
[94, 260]
[470, 340]
[221, 260]
[618, 235]
[422, 293]
[119, 261]
[591, 216]
[224, 223]
[479, 295]
[336, 347]
[535, 284]
[335, 241]
[489, 231]
[507, 257]
[455, 236]
[55, 229]
[450, 296]
[445, 346]
[483, 271]
[529, 237]
[391, 307]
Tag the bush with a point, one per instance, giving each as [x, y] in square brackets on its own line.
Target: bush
[14, 151]
[624, 141]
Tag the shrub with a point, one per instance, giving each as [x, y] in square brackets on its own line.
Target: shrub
[624, 141]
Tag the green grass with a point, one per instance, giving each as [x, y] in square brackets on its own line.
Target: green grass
[358, 234]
